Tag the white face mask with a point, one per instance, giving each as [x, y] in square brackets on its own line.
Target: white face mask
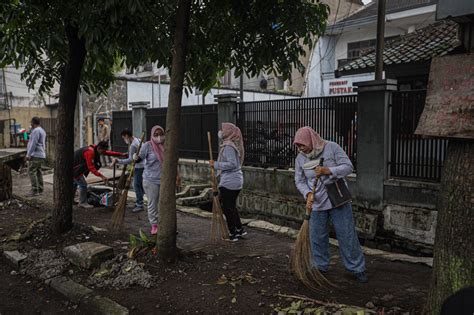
[126, 140]
[313, 154]
[159, 139]
[219, 134]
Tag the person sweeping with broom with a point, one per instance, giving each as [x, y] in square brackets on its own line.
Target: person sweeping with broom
[229, 164]
[152, 152]
[134, 144]
[330, 200]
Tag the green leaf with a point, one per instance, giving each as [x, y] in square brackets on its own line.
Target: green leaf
[144, 237]
[133, 240]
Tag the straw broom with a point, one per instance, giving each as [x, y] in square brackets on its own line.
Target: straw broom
[301, 259]
[119, 213]
[219, 230]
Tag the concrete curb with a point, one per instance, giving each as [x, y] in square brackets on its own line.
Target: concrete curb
[287, 231]
[84, 297]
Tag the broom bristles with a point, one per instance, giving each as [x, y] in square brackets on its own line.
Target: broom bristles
[119, 213]
[301, 261]
[219, 230]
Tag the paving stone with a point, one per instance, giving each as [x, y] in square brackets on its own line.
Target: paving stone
[102, 305]
[89, 254]
[70, 289]
[14, 257]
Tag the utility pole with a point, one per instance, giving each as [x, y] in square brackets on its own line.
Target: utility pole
[380, 39]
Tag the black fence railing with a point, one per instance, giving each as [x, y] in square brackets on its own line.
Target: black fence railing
[120, 120]
[412, 156]
[268, 127]
[196, 121]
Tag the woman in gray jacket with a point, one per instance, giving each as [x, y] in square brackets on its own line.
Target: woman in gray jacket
[336, 166]
[228, 165]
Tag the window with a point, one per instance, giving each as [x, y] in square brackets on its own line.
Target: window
[226, 80]
[357, 49]
[3, 93]
[279, 83]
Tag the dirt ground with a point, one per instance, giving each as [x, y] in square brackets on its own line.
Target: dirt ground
[247, 277]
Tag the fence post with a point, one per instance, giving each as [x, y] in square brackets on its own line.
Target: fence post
[139, 117]
[373, 140]
[226, 107]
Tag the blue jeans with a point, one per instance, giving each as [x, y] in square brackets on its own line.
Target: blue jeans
[138, 186]
[349, 246]
[82, 184]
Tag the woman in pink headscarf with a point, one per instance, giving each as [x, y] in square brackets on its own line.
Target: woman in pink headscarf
[229, 162]
[152, 152]
[324, 203]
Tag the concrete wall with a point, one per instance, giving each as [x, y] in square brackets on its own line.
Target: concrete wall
[98, 105]
[23, 116]
[406, 223]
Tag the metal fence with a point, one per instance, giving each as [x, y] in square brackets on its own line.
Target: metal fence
[196, 121]
[412, 156]
[121, 120]
[268, 127]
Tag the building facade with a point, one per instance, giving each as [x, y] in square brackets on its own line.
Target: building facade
[352, 38]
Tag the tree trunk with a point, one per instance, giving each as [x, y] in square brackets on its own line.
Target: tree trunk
[63, 198]
[453, 267]
[166, 238]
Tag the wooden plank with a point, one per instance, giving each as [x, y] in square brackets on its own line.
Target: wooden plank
[449, 109]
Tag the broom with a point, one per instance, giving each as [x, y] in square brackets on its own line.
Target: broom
[119, 213]
[301, 259]
[219, 230]
[122, 179]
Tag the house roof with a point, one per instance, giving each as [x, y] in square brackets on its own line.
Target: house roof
[437, 39]
[369, 12]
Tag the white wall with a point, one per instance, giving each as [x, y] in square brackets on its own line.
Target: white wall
[150, 92]
[21, 95]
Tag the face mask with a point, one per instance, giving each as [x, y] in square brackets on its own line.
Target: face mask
[219, 134]
[313, 154]
[159, 139]
[126, 140]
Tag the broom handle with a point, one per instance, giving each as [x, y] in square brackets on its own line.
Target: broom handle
[213, 175]
[130, 176]
[313, 190]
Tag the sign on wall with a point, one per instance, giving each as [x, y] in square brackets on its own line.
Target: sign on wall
[344, 85]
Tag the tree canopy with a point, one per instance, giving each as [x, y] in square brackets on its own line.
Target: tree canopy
[249, 36]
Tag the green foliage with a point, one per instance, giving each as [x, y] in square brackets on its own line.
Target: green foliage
[32, 34]
[140, 244]
[249, 36]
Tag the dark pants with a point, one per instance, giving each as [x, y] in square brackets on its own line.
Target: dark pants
[34, 171]
[229, 199]
[138, 186]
